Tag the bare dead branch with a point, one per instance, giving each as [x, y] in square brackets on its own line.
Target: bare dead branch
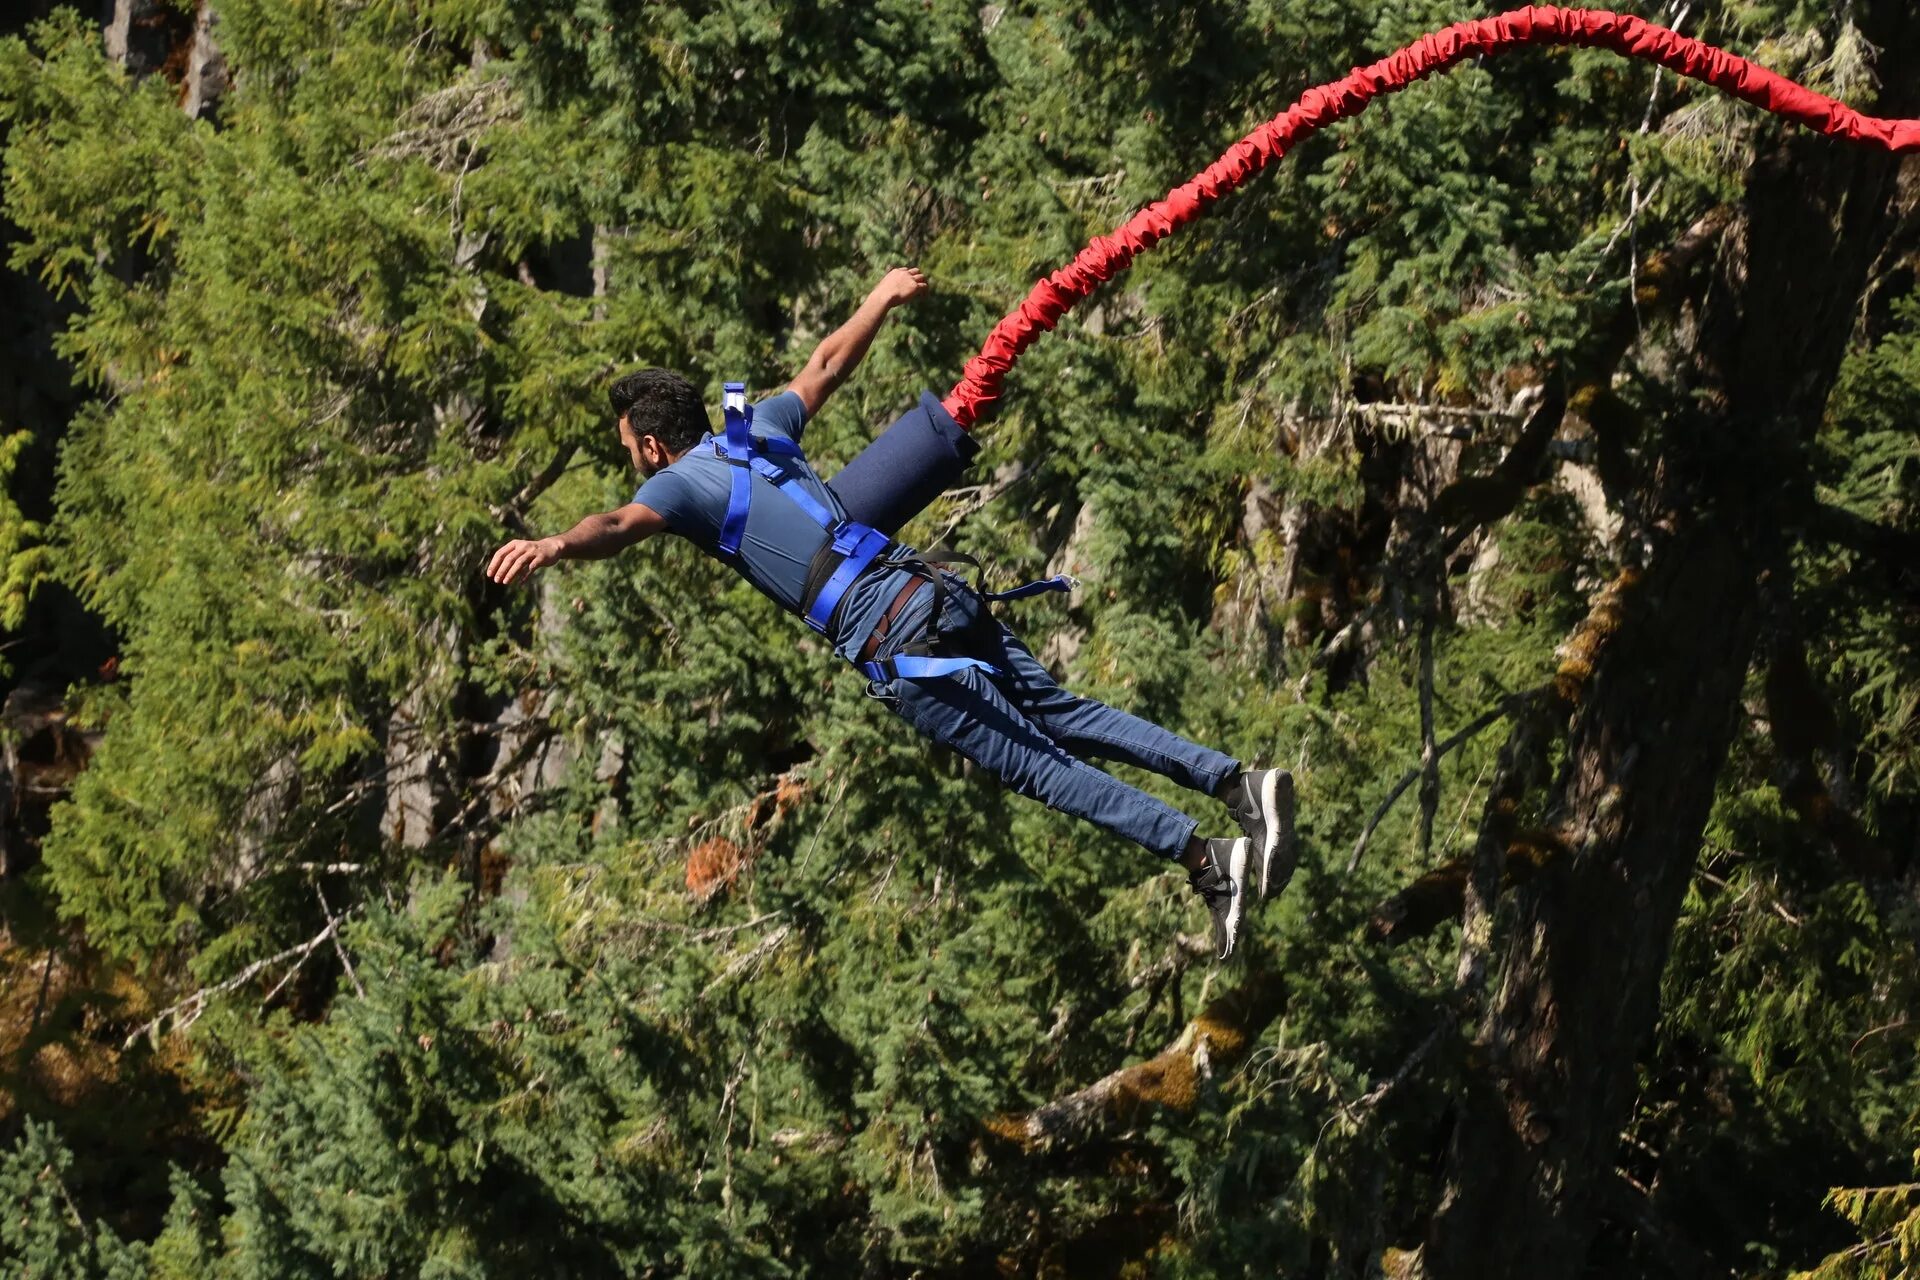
[1153, 978]
[338, 949]
[513, 512]
[186, 1012]
[443, 125]
[1429, 749]
[1500, 709]
[752, 958]
[1442, 894]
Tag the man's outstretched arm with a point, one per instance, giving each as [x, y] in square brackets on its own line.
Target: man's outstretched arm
[833, 361]
[595, 538]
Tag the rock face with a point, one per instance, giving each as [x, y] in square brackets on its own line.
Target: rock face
[41, 753]
[58, 643]
[144, 35]
[206, 73]
[149, 36]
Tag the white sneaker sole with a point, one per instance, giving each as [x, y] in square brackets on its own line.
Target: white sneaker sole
[1276, 816]
[1237, 908]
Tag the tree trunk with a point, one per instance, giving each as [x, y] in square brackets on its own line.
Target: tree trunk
[1533, 1154]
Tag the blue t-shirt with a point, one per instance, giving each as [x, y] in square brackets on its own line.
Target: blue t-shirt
[780, 539]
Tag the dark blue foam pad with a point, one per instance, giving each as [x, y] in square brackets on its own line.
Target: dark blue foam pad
[907, 466]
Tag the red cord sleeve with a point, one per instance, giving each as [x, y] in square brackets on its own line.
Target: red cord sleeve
[1105, 256]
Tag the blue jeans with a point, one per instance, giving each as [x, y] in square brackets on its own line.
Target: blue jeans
[1038, 737]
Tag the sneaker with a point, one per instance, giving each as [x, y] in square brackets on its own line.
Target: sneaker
[1261, 801]
[1220, 884]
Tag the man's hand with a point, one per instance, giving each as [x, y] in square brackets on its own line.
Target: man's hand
[594, 538]
[834, 359]
[900, 286]
[517, 561]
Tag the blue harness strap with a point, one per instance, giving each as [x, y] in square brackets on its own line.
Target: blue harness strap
[908, 666]
[858, 545]
[739, 455]
[1063, 582]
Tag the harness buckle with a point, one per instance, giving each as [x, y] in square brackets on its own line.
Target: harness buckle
[847, 537]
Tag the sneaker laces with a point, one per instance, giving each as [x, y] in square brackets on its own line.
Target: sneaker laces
[1211, 884]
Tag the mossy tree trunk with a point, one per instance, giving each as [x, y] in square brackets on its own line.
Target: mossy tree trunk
[1532, 1158]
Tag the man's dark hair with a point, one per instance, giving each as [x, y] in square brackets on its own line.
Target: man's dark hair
[662, 404]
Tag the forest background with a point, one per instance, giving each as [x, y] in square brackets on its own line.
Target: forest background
[1530, 464]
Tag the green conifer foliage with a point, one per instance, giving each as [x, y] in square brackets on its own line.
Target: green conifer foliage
[609, 928]
[42, 1230]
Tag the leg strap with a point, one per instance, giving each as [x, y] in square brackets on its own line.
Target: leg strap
[917, 666]
[1060, 582]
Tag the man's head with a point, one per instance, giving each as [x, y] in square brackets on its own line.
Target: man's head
[661, 417]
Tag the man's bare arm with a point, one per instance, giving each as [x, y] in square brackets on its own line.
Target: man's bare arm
[833, 361]
[595, 538]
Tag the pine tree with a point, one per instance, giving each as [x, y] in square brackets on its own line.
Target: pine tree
[609, 929]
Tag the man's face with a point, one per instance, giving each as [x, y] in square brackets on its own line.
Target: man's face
[648, 454]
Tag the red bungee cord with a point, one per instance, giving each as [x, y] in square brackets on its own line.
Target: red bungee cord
[1105, 256]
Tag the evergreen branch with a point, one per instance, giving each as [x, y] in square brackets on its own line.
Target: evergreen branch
[1429, 749]
[339, 949]
[513, 512]
[1472, 729]
[1895, 550]
[1804, 731]
[1171, 1080]
[1440, 895]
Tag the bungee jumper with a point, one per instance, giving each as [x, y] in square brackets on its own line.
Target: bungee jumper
[922, 636]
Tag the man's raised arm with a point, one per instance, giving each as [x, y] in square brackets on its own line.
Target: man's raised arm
[834, 359]
[595, 538]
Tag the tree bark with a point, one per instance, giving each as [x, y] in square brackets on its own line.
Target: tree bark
[1533, 1152]
[1171, 1080]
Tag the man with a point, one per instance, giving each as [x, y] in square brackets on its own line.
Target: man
[925, 639]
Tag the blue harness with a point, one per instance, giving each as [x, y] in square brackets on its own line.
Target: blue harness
[851, 549]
